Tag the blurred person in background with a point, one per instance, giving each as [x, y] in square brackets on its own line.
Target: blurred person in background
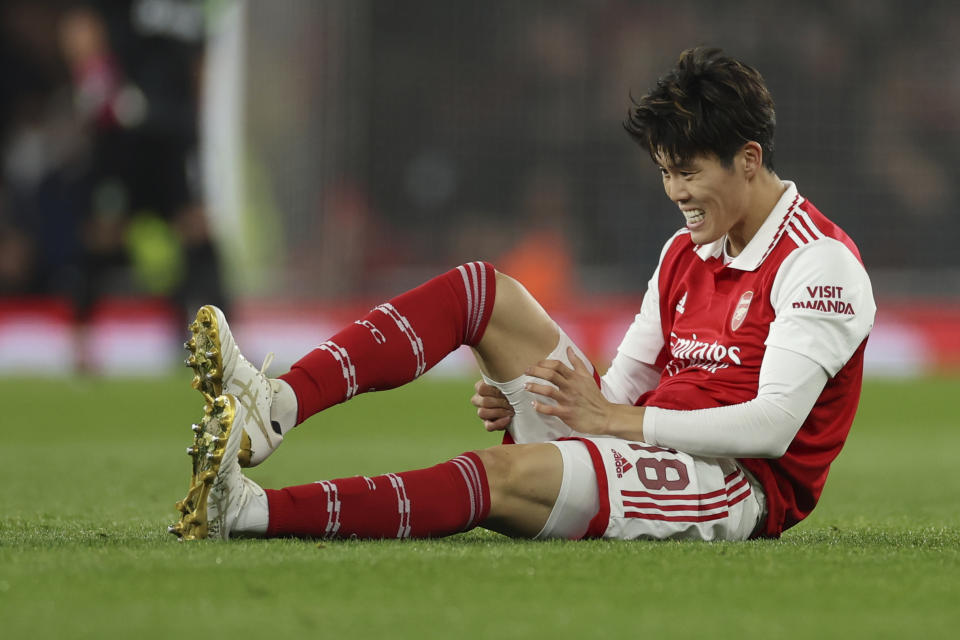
[16, 261]
[44, 156]
[100, 151]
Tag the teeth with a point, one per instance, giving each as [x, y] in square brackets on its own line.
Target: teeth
[694, 215]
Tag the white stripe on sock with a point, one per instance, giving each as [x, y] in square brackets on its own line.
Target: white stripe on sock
[470, 489]
[467, 289]
[403, 505]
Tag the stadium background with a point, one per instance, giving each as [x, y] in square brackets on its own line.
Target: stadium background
[297, 161]
[337, 151]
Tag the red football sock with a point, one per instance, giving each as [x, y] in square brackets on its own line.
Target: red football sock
[434, 502]
[397, 341]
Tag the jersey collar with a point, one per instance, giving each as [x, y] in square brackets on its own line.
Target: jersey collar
[758, 248]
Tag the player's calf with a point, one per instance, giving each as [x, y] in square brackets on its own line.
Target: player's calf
[519, 334]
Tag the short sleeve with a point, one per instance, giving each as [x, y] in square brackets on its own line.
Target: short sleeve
[823, 302]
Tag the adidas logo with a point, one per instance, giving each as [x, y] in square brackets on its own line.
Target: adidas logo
[621, 463]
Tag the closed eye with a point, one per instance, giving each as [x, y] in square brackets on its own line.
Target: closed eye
[686, 175]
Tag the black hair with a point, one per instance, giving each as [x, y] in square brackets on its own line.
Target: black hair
[708, 103]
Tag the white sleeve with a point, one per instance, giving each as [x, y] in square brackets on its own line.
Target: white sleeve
[823, 302]
[632, 372]
[764, 427]
[627, 379]
[644, 339]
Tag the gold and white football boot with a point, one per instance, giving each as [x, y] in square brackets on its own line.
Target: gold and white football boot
[220, 368]
[220, 498]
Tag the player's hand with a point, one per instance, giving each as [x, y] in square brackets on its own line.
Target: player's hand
[492, 406]
[579, 401]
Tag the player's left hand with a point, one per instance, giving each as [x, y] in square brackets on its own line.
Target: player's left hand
[579, 401]
[492, 406]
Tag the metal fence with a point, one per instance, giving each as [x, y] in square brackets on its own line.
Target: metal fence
[399, 138]
[353, 147]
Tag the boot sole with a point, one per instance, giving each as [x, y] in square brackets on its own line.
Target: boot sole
[205, 357]
[209, 443]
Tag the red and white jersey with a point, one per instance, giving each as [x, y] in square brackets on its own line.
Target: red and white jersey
[800, 285]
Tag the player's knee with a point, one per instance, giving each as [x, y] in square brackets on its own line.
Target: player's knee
[504, 470]
[522, 471]
[510, 291]
[519, 332]
[497, 466]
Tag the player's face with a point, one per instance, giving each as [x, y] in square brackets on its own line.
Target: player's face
[711, 197]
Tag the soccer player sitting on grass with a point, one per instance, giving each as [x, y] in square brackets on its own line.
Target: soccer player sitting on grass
[730, 395]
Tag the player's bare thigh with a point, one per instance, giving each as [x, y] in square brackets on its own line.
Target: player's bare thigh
[524, 482]
[518, 335]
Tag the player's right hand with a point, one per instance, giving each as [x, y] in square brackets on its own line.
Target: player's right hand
[492, 406]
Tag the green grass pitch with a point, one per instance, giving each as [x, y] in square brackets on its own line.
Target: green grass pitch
[90, 469]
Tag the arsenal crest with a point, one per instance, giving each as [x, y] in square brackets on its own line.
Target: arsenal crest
[740, 312]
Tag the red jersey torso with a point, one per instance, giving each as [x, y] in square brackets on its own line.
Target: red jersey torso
[716, 320]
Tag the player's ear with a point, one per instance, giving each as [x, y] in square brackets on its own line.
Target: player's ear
[751, 157]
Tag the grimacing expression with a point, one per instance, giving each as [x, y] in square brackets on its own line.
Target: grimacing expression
[711, 197]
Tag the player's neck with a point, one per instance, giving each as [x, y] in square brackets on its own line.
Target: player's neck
[766, 190]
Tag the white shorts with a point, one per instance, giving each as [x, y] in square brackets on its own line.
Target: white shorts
[643, 492]
[619, 489]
